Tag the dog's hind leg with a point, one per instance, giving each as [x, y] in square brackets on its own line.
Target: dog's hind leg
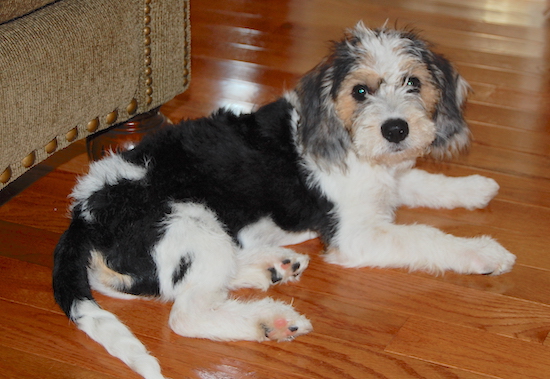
[197, 260]
[201, 312]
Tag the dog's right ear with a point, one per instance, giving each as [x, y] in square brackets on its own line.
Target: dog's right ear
[320, 131]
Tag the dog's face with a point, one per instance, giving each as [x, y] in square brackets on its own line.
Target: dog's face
[384, 95]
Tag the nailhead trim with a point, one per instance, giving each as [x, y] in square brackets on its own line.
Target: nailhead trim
[147, 42]
[6, 175]
[186, 52]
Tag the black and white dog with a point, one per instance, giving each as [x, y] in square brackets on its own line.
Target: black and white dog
[201, 208]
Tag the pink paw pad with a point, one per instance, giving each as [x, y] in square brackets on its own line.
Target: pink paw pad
[280, 331]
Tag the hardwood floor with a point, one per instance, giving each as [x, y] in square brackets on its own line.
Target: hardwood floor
[369, 323]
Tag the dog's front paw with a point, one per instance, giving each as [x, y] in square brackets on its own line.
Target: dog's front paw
[478, 191]
[488, 257]
[285, 324]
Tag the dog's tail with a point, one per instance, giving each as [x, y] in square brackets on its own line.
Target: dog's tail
[73, 294]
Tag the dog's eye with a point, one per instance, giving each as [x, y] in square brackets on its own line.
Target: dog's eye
[360, 92]
[413, 84]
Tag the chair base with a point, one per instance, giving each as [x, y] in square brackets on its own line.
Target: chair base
[124, 136]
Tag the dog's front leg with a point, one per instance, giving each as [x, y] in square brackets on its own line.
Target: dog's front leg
[418, 188]
[416, 247]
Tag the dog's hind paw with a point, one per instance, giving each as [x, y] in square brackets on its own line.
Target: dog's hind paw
[263, 267]
[286, 327]
[288, 267]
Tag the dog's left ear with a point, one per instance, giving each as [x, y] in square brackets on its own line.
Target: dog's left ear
[452, 132]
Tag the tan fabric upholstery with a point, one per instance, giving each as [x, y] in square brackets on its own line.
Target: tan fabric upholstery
[74, 67]
[10, 9]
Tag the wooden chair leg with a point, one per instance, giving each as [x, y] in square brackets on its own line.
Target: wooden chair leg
[124, 136]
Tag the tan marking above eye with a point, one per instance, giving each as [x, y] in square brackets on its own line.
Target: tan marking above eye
[345, 102]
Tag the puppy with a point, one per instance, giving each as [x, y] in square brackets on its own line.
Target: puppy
[201, 208]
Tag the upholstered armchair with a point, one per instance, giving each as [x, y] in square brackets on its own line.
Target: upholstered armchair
[72, 68]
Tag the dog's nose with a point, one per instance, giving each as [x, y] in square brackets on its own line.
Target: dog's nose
[395, 130]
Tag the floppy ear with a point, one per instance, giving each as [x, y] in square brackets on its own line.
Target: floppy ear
[452, 132]
[321, 132]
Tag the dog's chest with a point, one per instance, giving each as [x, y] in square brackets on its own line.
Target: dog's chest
[362, 189]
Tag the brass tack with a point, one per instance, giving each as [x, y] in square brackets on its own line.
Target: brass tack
[148, 100]
[147, 1]
[147, 30]
[185, 72]
[147, 41]
[149, 91]
[6, 176]
[132, 107]
[71, 135]
[147, 20]
[28, 161]
[148, 71]
[92, 125]
[147, 9]
[111, 117]
[51, 146]
[147, 50]
[147, 61]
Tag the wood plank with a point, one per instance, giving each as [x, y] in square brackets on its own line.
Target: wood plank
[27, 283]
[523, 282]
[506, 161]
[33, 366]
[49, 335]
[27, 244]
[473, 349]
[321, 357]
[513, 139]
[408, 294]
[45, 204]
[507, 117]
[499, 214]
[530, 248]
[525, 190]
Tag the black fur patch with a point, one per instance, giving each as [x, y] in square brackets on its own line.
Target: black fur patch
[181, 270]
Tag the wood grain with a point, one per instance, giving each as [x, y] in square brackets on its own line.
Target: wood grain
[368, 323]
[474, 350]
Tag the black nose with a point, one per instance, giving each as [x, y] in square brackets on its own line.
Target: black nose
[395, 130]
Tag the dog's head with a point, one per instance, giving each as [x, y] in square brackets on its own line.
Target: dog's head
[384, 95]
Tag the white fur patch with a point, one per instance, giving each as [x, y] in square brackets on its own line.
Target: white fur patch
[107, 171]
[104, 328]
[417, 188]
[193, 231]
[266, 233]
[202, 307]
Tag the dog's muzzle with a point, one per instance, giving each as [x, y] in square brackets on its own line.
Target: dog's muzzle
[395, 130]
